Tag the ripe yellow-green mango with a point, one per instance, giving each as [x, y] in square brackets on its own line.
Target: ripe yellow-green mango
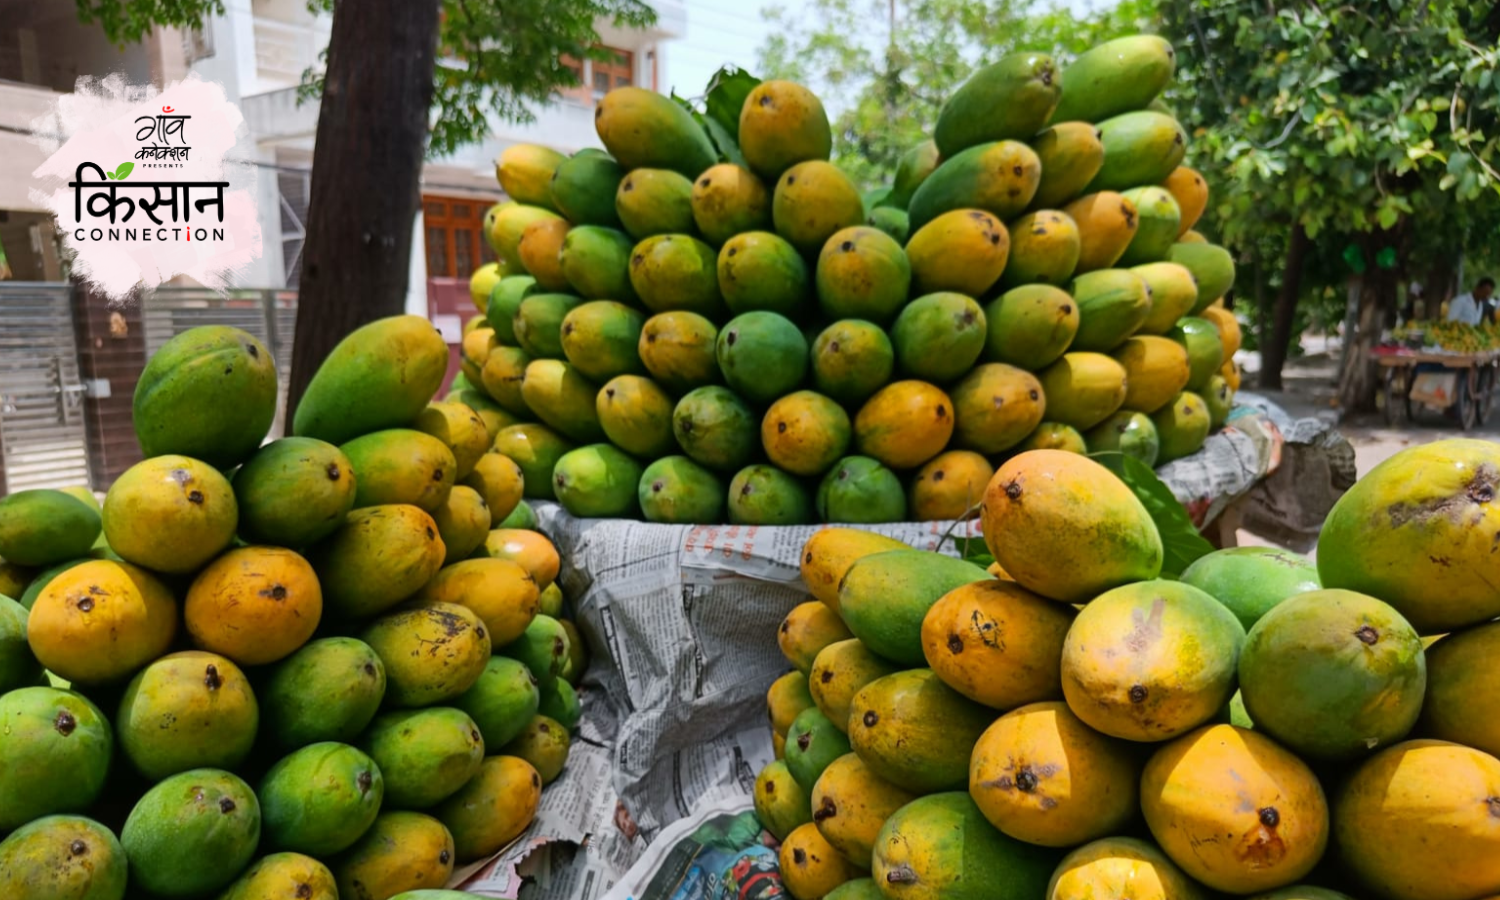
[1156, 370]
[810, 867]
[645, 130]
[584, 187]
[1219, 398]
[916, 732]
[401, 465]
[493, 808]
[600, 340]
[381, 375]
[805, 433]
[45, 527]
[904, 424]
[1107, 223]
[293, 492]
[728, 200]
[806, 630]
[912, 169]
[188, 710]
[461, 431]
[482, 283]
[597, 481]
[1054, 436]
[636, 415]
[838, 672]
[431, 654]
[884, 597]
[503, 304]
[1212, 268]
[536, 449]
[859, 489]
[765, 495]
[402, 851]
[1071, 155]
[544, 744]
[424, 756]
[560, 396]
[1228, 326]
[64, 858]
[209, 393]
[1205, 350]
[1174, 293]
[782, 124]
[1127, 867]
[999, 177]
[596, 262]
[655, 201]
[505, 233]
[540, 252]
[1030, 326]
[676, 272]
[504, 371]
[852, 359]
[786, 699]
[204, 814]
[1011, 99]
[14, 579]
[813, 200]
[864, 274]
[463, 522]
[525, 172]
[949, 486]
[1192, 237]
[995, 407]
[1116, 77]
[538, 327]
[677, 348]
[100, 621]
[1157, 230]
[674, 490]
[1181, 427]
[1043, 504]
[1223, 781]
[1191, 193]
[284, 875]
[1462, 692]
[760, 270]
[327, 691]
[494, 416]
[962, 642]
[941, 847]
[763, 356]
[500, 592]
[499, 481]
[170, 514]
[1131, 433]
[1112, 305]
[1139, 148]
[716, 428]
[1040, 775]
[1044, 249]
[828, 554]
[781, 803]
[381, 556]
[57, 754]
[850, 803]
[530, 549]
[254, 605]
[1083, 389]
[964, 251]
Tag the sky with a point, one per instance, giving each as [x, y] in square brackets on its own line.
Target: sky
[722, 31]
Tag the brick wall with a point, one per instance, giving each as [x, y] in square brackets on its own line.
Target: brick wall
[105, 353]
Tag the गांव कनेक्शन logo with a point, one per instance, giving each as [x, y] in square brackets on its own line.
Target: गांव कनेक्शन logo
[148, 185]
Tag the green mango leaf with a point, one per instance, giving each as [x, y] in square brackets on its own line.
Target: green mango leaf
[724, 142]
[1180, 540]
[124, 169]
[725, 98]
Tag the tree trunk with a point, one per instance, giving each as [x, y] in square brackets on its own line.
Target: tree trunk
[1273, 352]
[366, 176]
[1357, 381]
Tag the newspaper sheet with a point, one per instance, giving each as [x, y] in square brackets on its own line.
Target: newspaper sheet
[680, 623]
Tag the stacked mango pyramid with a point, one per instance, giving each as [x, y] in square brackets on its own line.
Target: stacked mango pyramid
[1070, 725]
[329, 666]
[691, 340]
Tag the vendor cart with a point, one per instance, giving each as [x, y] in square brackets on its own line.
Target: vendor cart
[1472, 390]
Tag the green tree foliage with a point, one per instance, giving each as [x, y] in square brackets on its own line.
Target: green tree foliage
[496, 59]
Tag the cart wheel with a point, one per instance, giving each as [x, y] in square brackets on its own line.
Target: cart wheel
[1485, 400]
[1467, 403]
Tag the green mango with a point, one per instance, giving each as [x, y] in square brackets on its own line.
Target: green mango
[18, 666]
[892, 221]
[812, 742]
[1030, 327]
[583, 189]
[538, 326]
[543, 648]
[424, 755]
[758, 270]
[1212, 267]
[1115, 77]
[505, 301]
[320, 799]
[646, 130]
[862, 274]
[192, 817]
[765, 495]
[598, 481]
[209, 393]
[763, 356]
[860, 490]
[852, 359]
[1000, 177]
[716, 428]
[46, 527]
[1139, 148]
[1159, 217]
[544, 743]
[502, 701]
[596, 262]
[1205, 349]
[939, 337]
[560, 396]
[1181, 426]
[676, 272]
[655, 201]
[674, 490]
[561, 704]
[636, 415]
[913, 168]
[401, 465]
[883, 598]
[1011, 99]
[1112, 306]
[381, 375]
[536, 449]
[293, 492]
[56, 756]
[601, 340]
[1131, 433]
[327, 691]
[189, 710]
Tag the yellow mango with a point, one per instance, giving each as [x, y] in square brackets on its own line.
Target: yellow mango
[838, 672]
[493, 808]
[850, 804]
[997, 643]
[100, 621]
[500, 592]
[810, 866]
[254, 605]
[828, 554]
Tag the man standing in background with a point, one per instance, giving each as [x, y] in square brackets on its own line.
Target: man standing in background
[1471, 309]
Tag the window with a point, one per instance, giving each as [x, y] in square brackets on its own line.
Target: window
[597, 77]
[455, 240]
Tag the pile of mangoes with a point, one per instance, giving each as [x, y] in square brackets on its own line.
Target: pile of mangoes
[692, 340]
[1071, 725]
[331, 666]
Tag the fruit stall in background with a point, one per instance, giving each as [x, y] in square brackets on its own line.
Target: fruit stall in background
[338, 664]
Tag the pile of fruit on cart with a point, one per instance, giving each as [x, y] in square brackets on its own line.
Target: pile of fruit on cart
[1073, 725]
[330, 666]
[672, 336]
[1452, 337]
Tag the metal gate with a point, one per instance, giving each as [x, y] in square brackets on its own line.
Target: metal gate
[42, 434]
